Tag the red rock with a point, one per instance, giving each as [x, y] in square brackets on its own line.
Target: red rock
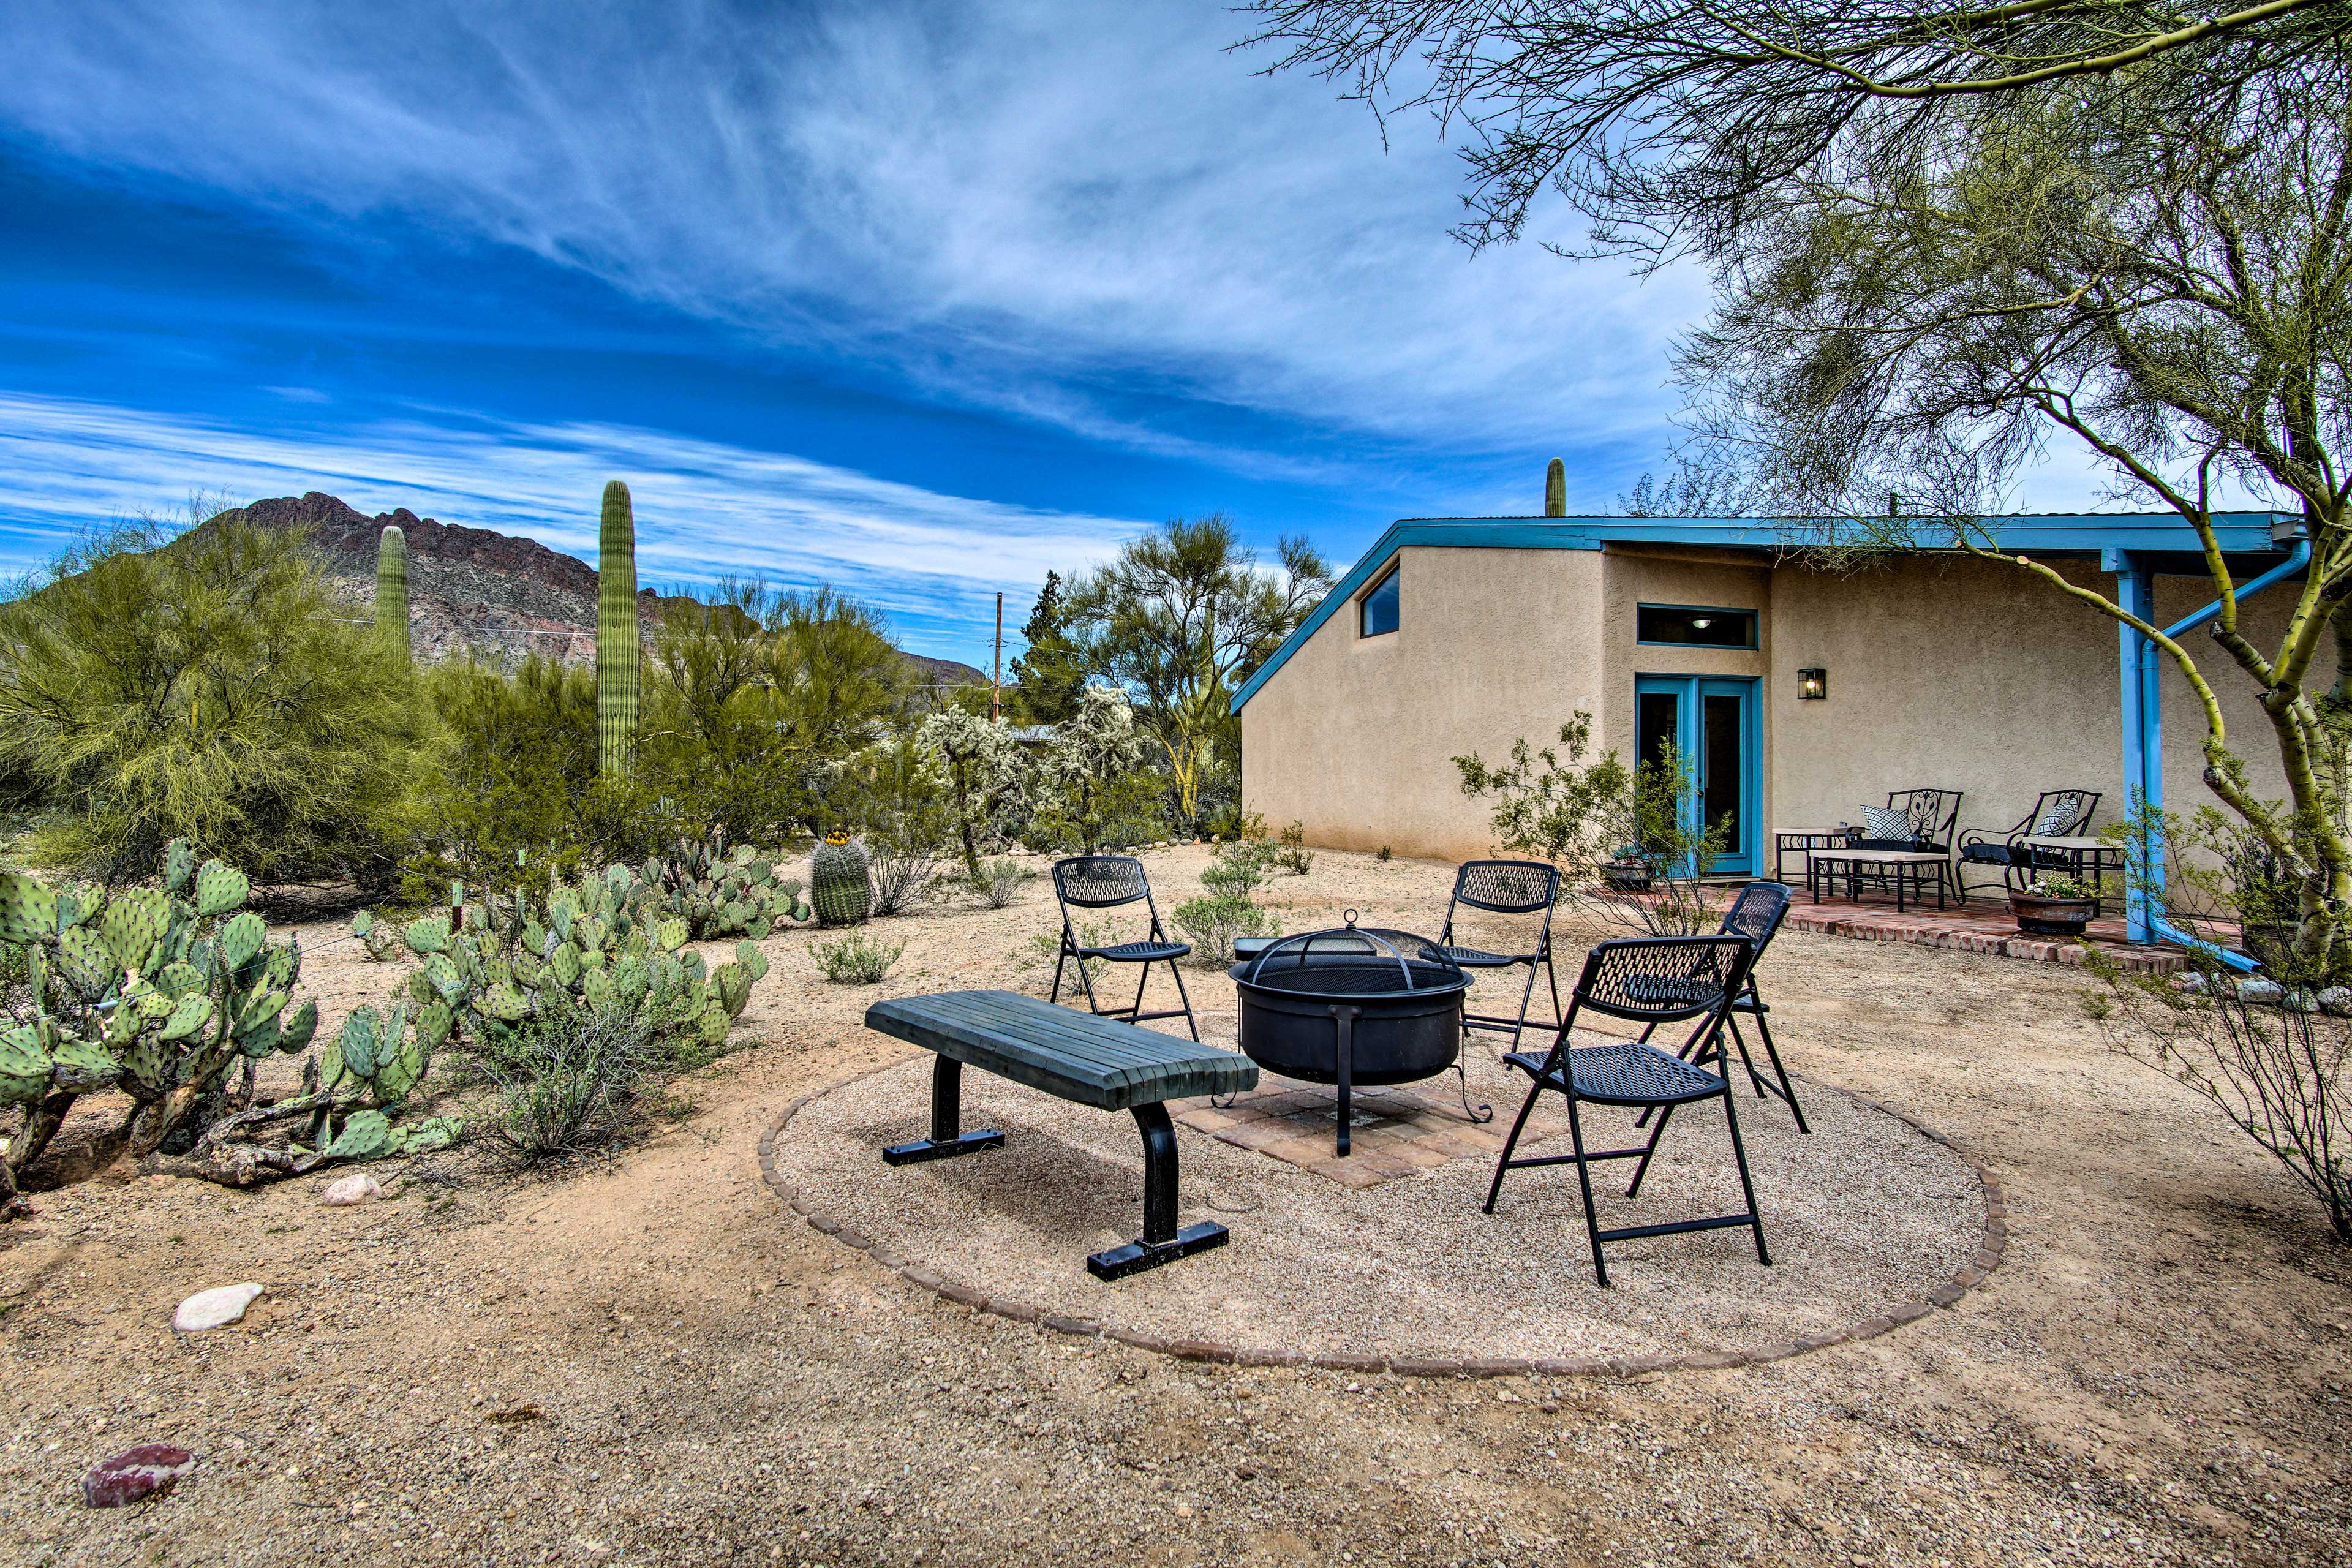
[150, 1469]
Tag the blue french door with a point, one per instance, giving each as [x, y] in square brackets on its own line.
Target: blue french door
[1711, 721]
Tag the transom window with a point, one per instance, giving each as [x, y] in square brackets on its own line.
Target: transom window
[1693, 625]
[1378, 607]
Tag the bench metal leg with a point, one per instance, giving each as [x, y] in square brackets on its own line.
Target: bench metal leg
[1161, 1241]
[947, 1139]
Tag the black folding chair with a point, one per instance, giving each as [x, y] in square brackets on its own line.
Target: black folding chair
[1107, 882]
[1648, 981]
[1756, 914]
[1506, 888]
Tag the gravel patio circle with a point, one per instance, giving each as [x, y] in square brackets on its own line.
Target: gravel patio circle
[1872, 1221]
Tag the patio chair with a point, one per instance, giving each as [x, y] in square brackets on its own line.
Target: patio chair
[1508, 888]
[2056, 813]
[1110, 882]
[1756, 914]
[1901, 847]
[1649, 981]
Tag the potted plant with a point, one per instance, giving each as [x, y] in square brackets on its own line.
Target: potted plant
[2053, 905]
[1626, 871]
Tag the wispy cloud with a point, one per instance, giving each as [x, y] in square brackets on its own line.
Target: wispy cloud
[932, 561]
[1044, 208]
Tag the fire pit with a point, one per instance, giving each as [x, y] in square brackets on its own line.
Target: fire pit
[1354, 1004]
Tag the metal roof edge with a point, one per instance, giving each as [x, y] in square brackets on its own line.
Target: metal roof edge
[2085, 532]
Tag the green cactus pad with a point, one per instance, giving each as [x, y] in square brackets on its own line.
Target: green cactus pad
[190, 1014]
[395, 1077]
[754, 961]
[82, 1066]
[179, 865]
[179, 977]
[423, 1137]
[434, 1023]
[672, 933]
[134, 924]
[504, 1001]
[299, 1029]
[220, 888]
[365, 1134]
[362, 1039]
[24, 1065]
[87, 962]
[734, 988]
[28, 912]
[430, 934]
[240, 938]
[262, 1038]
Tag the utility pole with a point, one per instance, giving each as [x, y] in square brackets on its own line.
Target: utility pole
[996, 670]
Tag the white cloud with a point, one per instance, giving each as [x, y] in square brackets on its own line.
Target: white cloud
[933, 562]
[1043, 208]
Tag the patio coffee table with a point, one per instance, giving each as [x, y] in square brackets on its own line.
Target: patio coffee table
[1910, 868]
[1803, 841]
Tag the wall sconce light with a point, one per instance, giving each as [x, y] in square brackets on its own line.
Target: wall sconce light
[1812, 685]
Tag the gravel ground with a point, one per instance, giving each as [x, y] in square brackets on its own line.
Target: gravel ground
[1863, 1216]
[649, 1359]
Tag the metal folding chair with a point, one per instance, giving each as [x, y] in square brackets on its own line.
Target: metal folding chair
[1506, 888]
[1756, 914]
[1107, 882]
[1648, 981]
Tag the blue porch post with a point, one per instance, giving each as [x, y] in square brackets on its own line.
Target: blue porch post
[2143, 726]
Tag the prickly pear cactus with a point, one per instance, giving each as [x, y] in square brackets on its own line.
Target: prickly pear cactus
[841, 887]
[733, 893]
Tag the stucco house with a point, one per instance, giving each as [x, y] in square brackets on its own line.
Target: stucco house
[1799, 692]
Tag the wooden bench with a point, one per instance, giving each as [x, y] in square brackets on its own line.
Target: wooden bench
[1074, 1056]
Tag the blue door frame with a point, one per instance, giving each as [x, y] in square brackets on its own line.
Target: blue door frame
[1691, 697]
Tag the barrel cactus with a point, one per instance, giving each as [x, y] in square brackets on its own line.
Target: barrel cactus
[841, 885]
[619, 639]
[391, 590]
[1556, 488]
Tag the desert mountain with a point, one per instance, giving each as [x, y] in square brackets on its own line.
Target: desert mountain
[473, 590]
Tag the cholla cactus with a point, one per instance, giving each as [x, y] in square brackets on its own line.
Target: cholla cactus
[158, 990]
[841, 885]
[981, 768]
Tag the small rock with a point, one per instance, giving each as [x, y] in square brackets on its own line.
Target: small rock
[2336, 1001]
[214, 1309]
[355, 1188]
[150, 1469]
[2259, 993]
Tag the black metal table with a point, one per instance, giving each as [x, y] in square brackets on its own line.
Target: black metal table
[1803, 841]
[1074, 1057]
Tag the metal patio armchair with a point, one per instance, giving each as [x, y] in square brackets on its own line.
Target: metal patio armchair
[2056, 813]
[1902, 865]
[1108, 882]
[1756, 914]
[1506, 888]
[1649, 981]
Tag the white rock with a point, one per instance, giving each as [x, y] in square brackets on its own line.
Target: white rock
[216, 1307]
[355, 1188]
[2259, 993]
[2337, 1000]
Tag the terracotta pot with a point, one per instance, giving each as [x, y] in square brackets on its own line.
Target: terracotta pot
[2051, 917]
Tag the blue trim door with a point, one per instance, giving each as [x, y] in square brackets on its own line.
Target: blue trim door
[1711, 721]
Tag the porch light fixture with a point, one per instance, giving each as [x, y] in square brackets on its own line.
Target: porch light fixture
[1812, 685]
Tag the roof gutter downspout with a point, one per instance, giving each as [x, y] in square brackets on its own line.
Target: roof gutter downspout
[2143, 727]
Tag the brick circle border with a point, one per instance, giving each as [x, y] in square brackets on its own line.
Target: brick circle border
[1972, 1274]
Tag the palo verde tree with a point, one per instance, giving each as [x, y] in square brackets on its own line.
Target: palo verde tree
[1183, 617]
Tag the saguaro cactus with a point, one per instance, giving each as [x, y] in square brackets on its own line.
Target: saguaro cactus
[1556, 488]
[391, 590]
[618, 647]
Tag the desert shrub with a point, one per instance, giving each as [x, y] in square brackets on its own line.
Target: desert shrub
[1383, 854]
[1292, 855]
[999, 881]
[855, 959]
[571, 1080]
[511, 788]
[202, 685]
[1211, 923]
[905, 872]
[1238, 868]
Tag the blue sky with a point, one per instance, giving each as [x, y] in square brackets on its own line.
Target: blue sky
[921, 301]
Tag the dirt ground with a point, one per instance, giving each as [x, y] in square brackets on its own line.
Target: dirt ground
[651, 1359]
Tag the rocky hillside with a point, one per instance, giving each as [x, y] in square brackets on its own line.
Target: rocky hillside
[475, 590]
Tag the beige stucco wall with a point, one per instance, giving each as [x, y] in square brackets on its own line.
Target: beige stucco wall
[1354, 736]
[1944, 671]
